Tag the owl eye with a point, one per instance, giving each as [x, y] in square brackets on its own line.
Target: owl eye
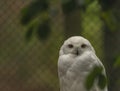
[70, 46]
[83, 45]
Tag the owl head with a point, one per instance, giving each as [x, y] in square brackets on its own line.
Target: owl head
[76, 45]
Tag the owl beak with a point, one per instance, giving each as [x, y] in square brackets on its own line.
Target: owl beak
[77, 52]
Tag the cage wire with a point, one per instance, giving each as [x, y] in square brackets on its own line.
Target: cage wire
[33, 66]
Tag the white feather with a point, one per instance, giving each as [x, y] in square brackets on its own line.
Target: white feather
[75, 63]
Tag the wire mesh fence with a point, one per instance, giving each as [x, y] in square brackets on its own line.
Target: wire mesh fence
[33, 66]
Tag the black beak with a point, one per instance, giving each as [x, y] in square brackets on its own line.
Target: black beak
[77, 52]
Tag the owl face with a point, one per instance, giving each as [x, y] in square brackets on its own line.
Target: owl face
[76, 46]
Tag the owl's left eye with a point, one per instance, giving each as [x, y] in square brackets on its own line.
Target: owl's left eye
[70, 46]
[83, 45]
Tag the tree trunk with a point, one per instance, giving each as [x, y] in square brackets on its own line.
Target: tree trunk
[73, 23]
[112, 50]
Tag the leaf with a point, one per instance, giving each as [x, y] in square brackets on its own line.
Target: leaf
[29, 33]
[43, 30]
[32, 10]
[92, 76]
[102, 81]
[33, 26]
[117, 62]
[89, 81]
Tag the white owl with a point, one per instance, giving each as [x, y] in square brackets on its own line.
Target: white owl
[76, 60]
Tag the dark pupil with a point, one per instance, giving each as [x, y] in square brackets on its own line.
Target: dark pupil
[70, 46]
[83, 45]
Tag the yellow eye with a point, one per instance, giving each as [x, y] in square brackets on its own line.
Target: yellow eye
[83, 45]
[70, 46]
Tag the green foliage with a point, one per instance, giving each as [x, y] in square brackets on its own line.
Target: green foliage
[37, 7]
[90, 80]
[117, 62]
[29, 33]
[40, 28]
[102, 81]
[35, 17]
[96, 74]
[32, 10]
[43, 30]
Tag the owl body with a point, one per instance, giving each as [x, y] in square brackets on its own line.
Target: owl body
[75, 63]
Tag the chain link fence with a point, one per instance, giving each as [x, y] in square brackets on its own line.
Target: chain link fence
[33, 66]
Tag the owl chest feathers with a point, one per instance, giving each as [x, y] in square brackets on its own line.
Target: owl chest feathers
[73, 70]
[75, 64]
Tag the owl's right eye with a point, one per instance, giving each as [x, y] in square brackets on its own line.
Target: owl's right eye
[70, 46]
